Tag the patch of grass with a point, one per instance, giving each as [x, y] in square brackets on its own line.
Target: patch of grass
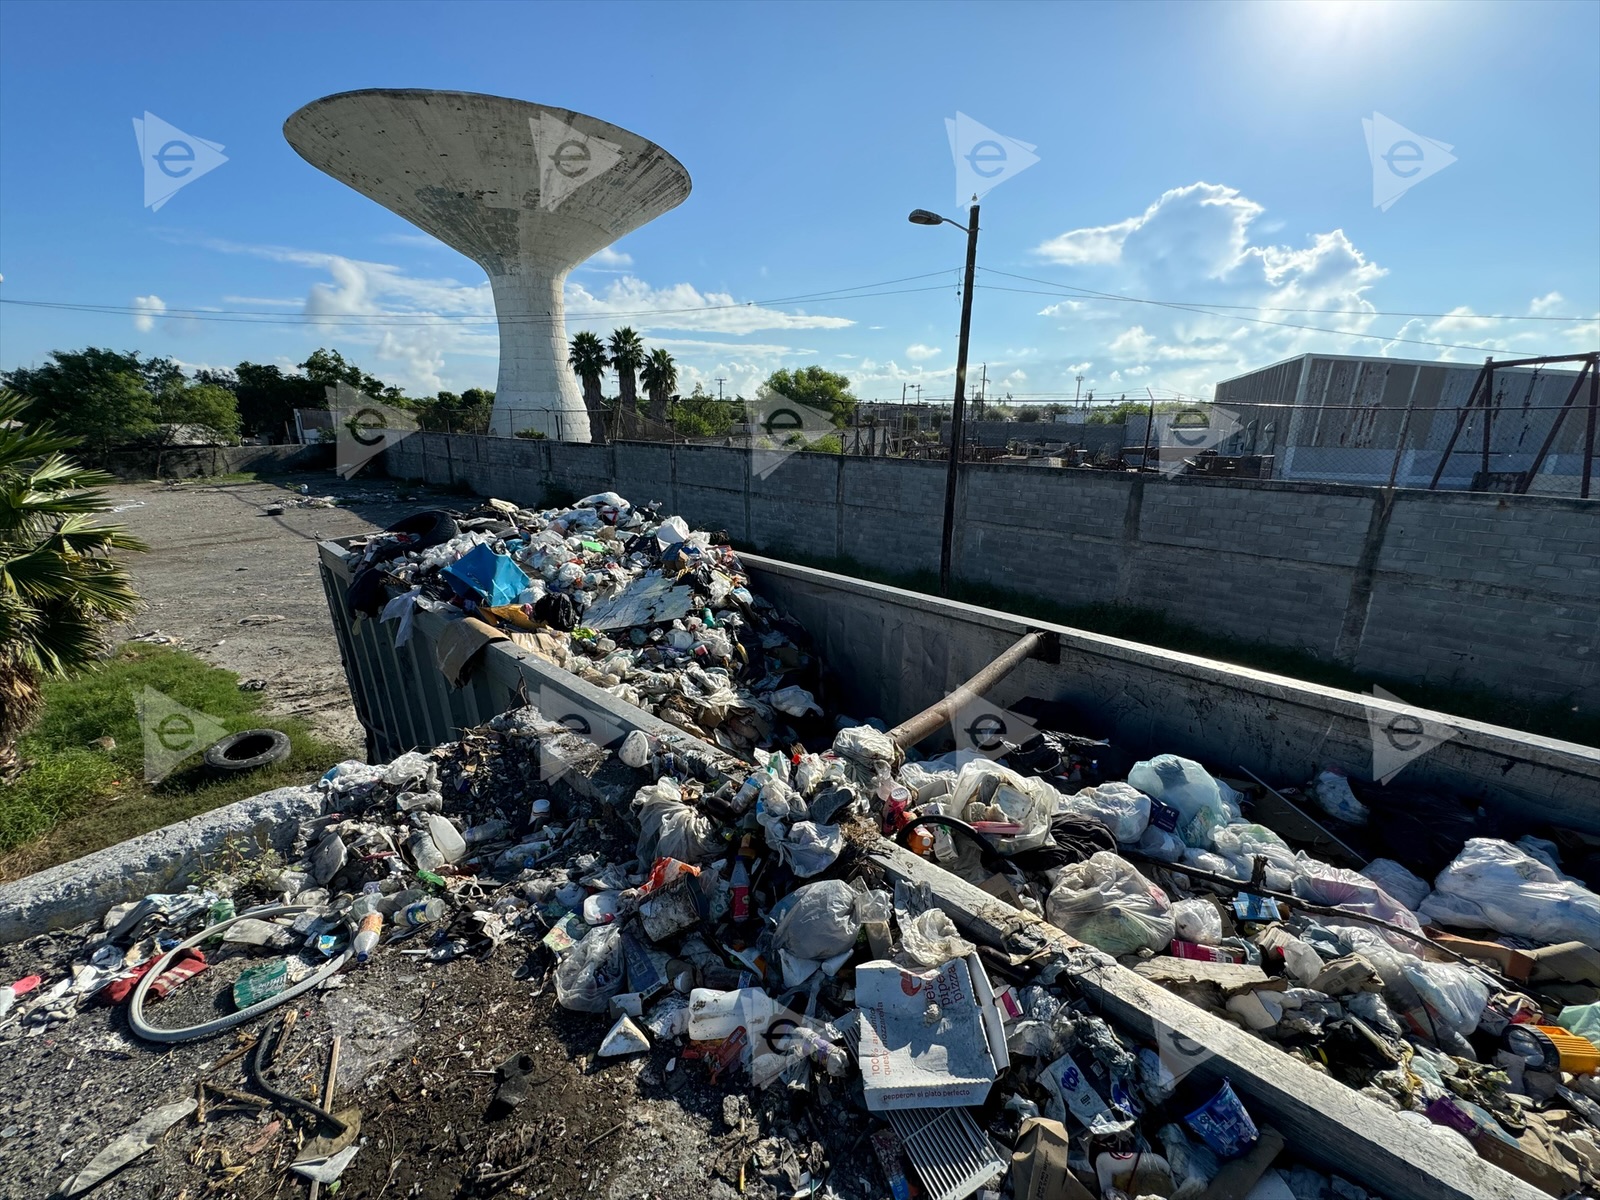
[77, 799]
[1151, 627]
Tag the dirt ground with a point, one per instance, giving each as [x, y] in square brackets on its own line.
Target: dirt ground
[241, 588]
[420, 1041]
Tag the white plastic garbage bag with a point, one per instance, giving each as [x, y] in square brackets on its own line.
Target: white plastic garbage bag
[1333, 795]
[823, 920]
[808, 848]
[669, 828]
[592, 971]
[1336, 887]
[795, 701]
[1107, 903]
[1197, 920]
[987, 792]
[1494, 885]
[1455, 993]
[1120, 807]
[1397, 881]
[1186, 786]
[1156, 842]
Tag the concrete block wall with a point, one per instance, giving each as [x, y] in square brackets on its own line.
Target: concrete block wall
[1490, 591]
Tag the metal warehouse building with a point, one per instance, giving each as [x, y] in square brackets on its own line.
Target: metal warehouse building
[1351, 419]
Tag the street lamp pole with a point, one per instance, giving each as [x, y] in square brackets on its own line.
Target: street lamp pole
[957, 410]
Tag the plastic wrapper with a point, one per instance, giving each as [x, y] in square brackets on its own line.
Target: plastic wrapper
[1494, 885]
[866, 746]
[792, 701]
[592, 971]
[810, 849]
[1038, 1030]
[1197, 920]
[823, 920]
[1121, 808]
[1193, 1164]
[1158, 843]
[930, 939]
[1333, 795]
[1107, 903]
[1374, 1010]
[1397, 881]
[987, 792]
[1188, 787]
[669, 828]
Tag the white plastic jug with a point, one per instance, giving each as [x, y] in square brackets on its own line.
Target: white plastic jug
[714, 1015]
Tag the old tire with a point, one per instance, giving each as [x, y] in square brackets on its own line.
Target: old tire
[248, 750]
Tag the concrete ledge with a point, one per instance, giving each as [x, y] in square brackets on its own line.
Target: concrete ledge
[160, 861]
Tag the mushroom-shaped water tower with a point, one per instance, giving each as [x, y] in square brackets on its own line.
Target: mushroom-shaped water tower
[525, 190]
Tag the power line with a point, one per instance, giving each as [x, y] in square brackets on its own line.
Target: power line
[1346, 312]
[257, 317]
[1379, 337]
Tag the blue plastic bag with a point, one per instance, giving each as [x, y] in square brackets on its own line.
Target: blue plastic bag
[492, 578]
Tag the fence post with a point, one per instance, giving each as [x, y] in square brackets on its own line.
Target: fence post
[1400, 442]
[1594, 418]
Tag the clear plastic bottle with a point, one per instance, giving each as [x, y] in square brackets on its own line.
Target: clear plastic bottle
[366, 939]
[424, 852]
[423, 912]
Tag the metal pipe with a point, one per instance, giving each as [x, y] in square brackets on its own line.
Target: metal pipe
[909, 732]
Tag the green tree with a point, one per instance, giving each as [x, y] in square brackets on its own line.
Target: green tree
[587, 358]
[627, 356]
[660, 377]
[206, 405]
[818, 388]
[449, 412]
[96, 395]
[328, 367]
[267, 398]
[62, 584]
[701, 414]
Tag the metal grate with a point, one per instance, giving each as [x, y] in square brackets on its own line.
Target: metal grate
[950, 1154]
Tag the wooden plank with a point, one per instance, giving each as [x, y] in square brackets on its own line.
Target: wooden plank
[1325, 1122]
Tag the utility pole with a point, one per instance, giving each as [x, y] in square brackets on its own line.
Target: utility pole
[983, 392]
[720, 380]
[956, 409]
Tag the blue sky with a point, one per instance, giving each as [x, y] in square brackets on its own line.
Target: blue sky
[1194, 154]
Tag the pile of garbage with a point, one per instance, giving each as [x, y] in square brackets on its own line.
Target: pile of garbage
[658, 615]
[725, 903]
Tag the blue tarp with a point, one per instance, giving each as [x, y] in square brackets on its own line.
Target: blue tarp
[489, 577]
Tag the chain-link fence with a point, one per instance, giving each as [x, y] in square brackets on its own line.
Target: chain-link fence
[1521, 449]
[1539, 449]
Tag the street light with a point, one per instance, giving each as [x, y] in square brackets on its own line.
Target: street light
[921, 216]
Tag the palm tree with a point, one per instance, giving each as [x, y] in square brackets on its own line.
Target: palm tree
[60, 582]
[589, 362]
[627, 356]
[659, 376]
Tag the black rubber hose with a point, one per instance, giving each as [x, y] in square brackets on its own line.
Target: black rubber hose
[258, 1076]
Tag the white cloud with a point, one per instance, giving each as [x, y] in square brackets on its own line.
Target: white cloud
[419, 328]
[610, 256]
[1100, 244]
[919, 352]
[150, 307]
[1205, 246]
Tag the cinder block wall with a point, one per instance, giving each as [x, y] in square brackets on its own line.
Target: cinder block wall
[1487, 590]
